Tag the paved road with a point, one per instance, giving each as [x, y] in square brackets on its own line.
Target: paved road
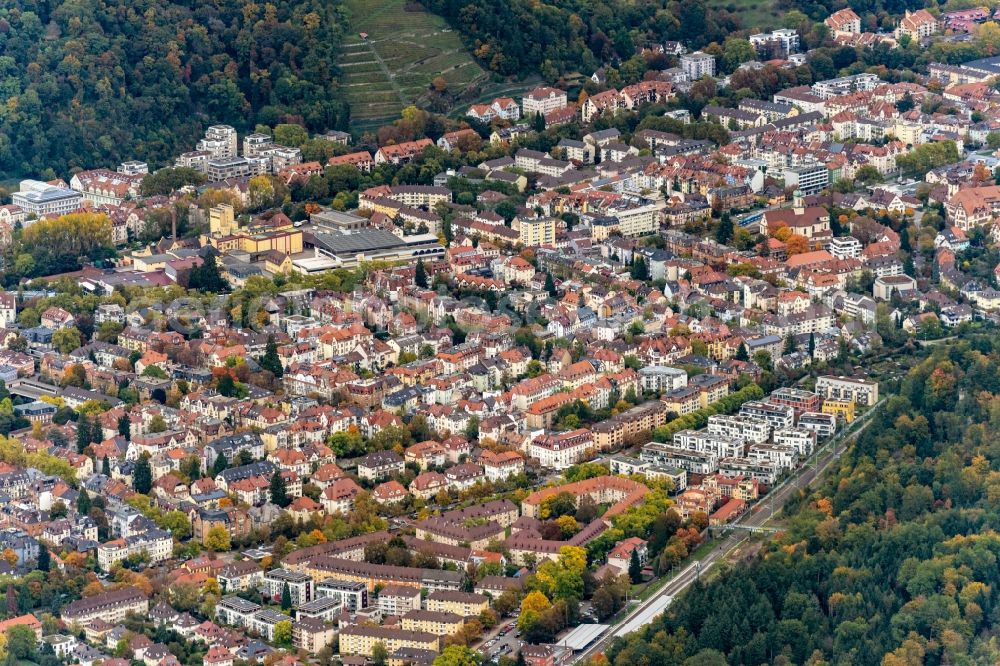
[646, 611]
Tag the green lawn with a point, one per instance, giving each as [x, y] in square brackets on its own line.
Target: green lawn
[759, 14]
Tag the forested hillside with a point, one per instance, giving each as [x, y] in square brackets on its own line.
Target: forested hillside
[892, 561]
[90, 82]
[520, 36]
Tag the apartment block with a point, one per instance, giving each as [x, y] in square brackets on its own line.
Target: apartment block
[361, 639]
[776, 416]
[110, 607]
[746, 429]
[859, 391]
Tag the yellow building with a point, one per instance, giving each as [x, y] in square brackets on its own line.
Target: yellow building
[362, 640]
[466, 604]
[538, 231]
[222, 220]
[287, 242]
[277, 262]
[844, 408]
[439, 623]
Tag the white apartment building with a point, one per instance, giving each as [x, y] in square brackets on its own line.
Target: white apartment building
[845, 85]
[133, 168]
[698, 65]
[808, 177]
[195, 159]
[398, 599]
[300, 586]
[637, 220]
[803, 440]
[761, 470]
[745, 429]
[157, 544]
[844, 247]
[43, 200]
[256, 144]
[703, 441]
[781, 456]
[220, 140]
[693, 462]
[858, 391]
[662, 378]
[543, 100]
[786, 39]
[774, 415]
[824, 425]
[559, 452]
[221, 168]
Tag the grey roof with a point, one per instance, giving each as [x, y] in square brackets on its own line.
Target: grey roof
[364, 240]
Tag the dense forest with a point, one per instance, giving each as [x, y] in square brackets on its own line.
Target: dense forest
[87, 83]
[577, 35]
[892, 560]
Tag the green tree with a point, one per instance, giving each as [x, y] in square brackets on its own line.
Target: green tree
[283, 633]
[82, 434]
[106, 466]
[550, 285]
[218, 539]
[21, 641]
[177, 523]
[279, 492]
[457, 655]
[142, 475]
[379, 654]
[219, 465]
[207, 278]
[286, 597]
[170, 179]
[789, 345]
[290, 135]
[44, 558]
[83, 503]
[125, 426]
[639, 269]
[724, 232]
[635, 567]
[270, 361]
[67, 339]
[420, 275]
[157, 424]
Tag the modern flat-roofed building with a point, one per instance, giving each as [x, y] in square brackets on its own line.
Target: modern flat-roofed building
[353, 595]
[824, 425]
[398, 599]
[697, 65]
[43, 200]
[746, 429]
[300, 586]
[859, 391]
[322, 608]
[777, 416]
[221, 168]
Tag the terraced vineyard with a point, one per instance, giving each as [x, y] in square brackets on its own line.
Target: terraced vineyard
[403, 51]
